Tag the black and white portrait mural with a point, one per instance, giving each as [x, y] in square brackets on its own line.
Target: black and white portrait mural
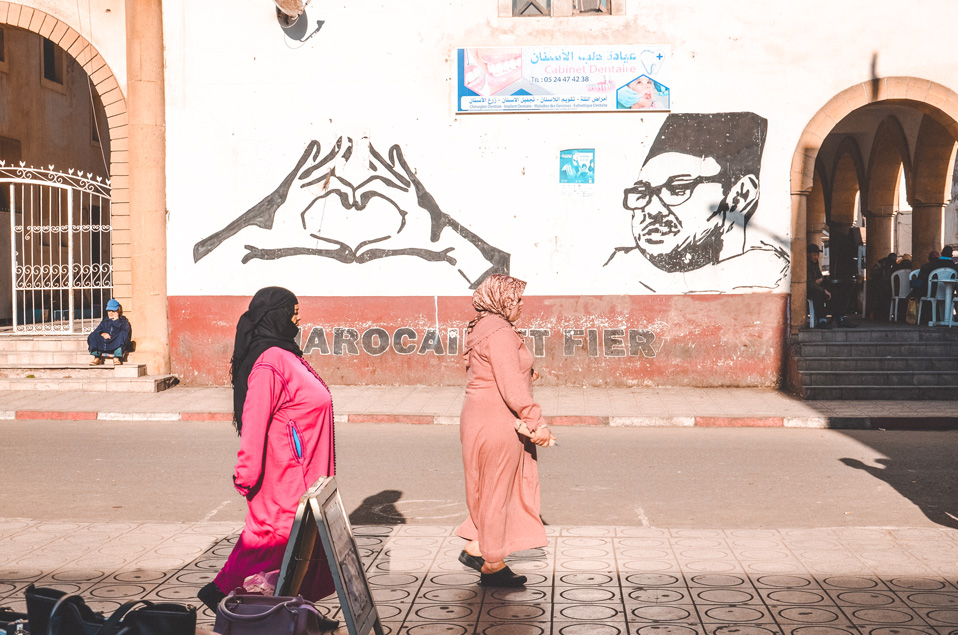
[693, 209]
[354, 205]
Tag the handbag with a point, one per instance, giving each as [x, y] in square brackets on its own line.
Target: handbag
[71, 616]
[248, 614]
[164, 618]
[911, 312]
[40, 603]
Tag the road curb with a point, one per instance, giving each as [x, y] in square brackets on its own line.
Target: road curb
[811, 422]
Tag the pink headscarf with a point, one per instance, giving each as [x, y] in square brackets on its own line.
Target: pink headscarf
[498, 294]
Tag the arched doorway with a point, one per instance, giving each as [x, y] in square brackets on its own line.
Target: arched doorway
[67, 192]
[892, 134]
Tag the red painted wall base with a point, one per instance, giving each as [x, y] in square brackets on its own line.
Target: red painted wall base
[695, 340]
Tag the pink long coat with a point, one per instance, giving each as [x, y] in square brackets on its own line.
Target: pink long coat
[502, 476]
[286, 445]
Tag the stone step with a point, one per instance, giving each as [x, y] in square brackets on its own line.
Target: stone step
[880, 393]
[57, 343]
[68, 371]
[43, 358]
[896, 335]
[865, 364]
[146, 383]
[872, 349]
[892, 380]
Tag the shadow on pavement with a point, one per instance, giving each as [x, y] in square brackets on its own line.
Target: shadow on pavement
[926, 474]
[379, 509]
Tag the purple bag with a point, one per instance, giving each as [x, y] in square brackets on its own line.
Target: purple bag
[241, 613]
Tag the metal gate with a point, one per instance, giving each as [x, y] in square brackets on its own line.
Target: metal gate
[60, 249]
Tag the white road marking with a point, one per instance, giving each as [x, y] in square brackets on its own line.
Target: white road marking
[213, 513]
[642, 517]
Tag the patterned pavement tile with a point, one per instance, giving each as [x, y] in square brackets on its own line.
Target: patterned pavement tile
[586, 581]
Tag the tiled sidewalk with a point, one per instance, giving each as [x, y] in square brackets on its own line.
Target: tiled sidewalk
[587, 581]
[564, 405]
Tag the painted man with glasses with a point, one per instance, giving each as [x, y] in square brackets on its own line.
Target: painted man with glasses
[692, 206]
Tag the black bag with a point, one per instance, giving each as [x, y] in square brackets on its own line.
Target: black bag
[40, 603]
[72, 616]
[165, 618]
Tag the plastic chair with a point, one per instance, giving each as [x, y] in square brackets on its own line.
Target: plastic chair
[811, 314]
[936, 292]
[899, 292]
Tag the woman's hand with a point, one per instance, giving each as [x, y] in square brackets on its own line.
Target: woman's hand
[543, 437]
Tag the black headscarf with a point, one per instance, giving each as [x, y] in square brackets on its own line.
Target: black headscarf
[268, 323]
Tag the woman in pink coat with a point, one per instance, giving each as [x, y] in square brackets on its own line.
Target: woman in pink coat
[502, 477]
[283, 413]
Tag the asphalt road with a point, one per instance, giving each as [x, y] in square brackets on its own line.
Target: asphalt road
[659, 477]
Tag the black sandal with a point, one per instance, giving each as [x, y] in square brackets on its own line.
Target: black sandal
[471, 561]
[504, 577]
[210, 595]
[326, 624]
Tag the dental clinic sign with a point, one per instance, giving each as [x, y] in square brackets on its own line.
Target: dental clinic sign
[563, 78]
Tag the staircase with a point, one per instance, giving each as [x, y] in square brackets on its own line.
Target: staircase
[61, 362]
[878, 363]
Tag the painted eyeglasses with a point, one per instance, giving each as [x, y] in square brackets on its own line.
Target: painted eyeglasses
[675, 191]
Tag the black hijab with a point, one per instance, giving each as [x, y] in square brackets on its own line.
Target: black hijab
[268, 323]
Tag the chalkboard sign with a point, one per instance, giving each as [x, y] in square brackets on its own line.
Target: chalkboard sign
[321, 513]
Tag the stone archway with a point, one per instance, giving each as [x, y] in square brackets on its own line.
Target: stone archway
[137, 162]
[114, 103]
[938, 102]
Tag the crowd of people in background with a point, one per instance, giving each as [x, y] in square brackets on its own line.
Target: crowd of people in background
[879, 292]
[832, 300]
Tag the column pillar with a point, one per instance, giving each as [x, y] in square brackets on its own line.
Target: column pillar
[837, 246]
[880, 229]
[925, 230]
[149, 313]
[799, 308]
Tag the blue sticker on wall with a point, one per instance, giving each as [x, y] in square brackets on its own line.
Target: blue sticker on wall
[577, 166]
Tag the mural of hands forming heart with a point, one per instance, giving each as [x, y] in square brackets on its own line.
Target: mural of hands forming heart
[354, 205]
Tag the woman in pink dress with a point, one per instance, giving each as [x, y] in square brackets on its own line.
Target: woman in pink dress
[502, 478]
[283, 413]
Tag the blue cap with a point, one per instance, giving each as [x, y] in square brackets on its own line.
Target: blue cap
[112, 305]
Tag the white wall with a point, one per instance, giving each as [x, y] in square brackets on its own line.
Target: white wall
[243, 102]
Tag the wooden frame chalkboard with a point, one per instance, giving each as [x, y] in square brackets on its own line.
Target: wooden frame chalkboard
[321, 513]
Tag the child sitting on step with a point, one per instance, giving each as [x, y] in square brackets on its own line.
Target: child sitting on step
[111, 337]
